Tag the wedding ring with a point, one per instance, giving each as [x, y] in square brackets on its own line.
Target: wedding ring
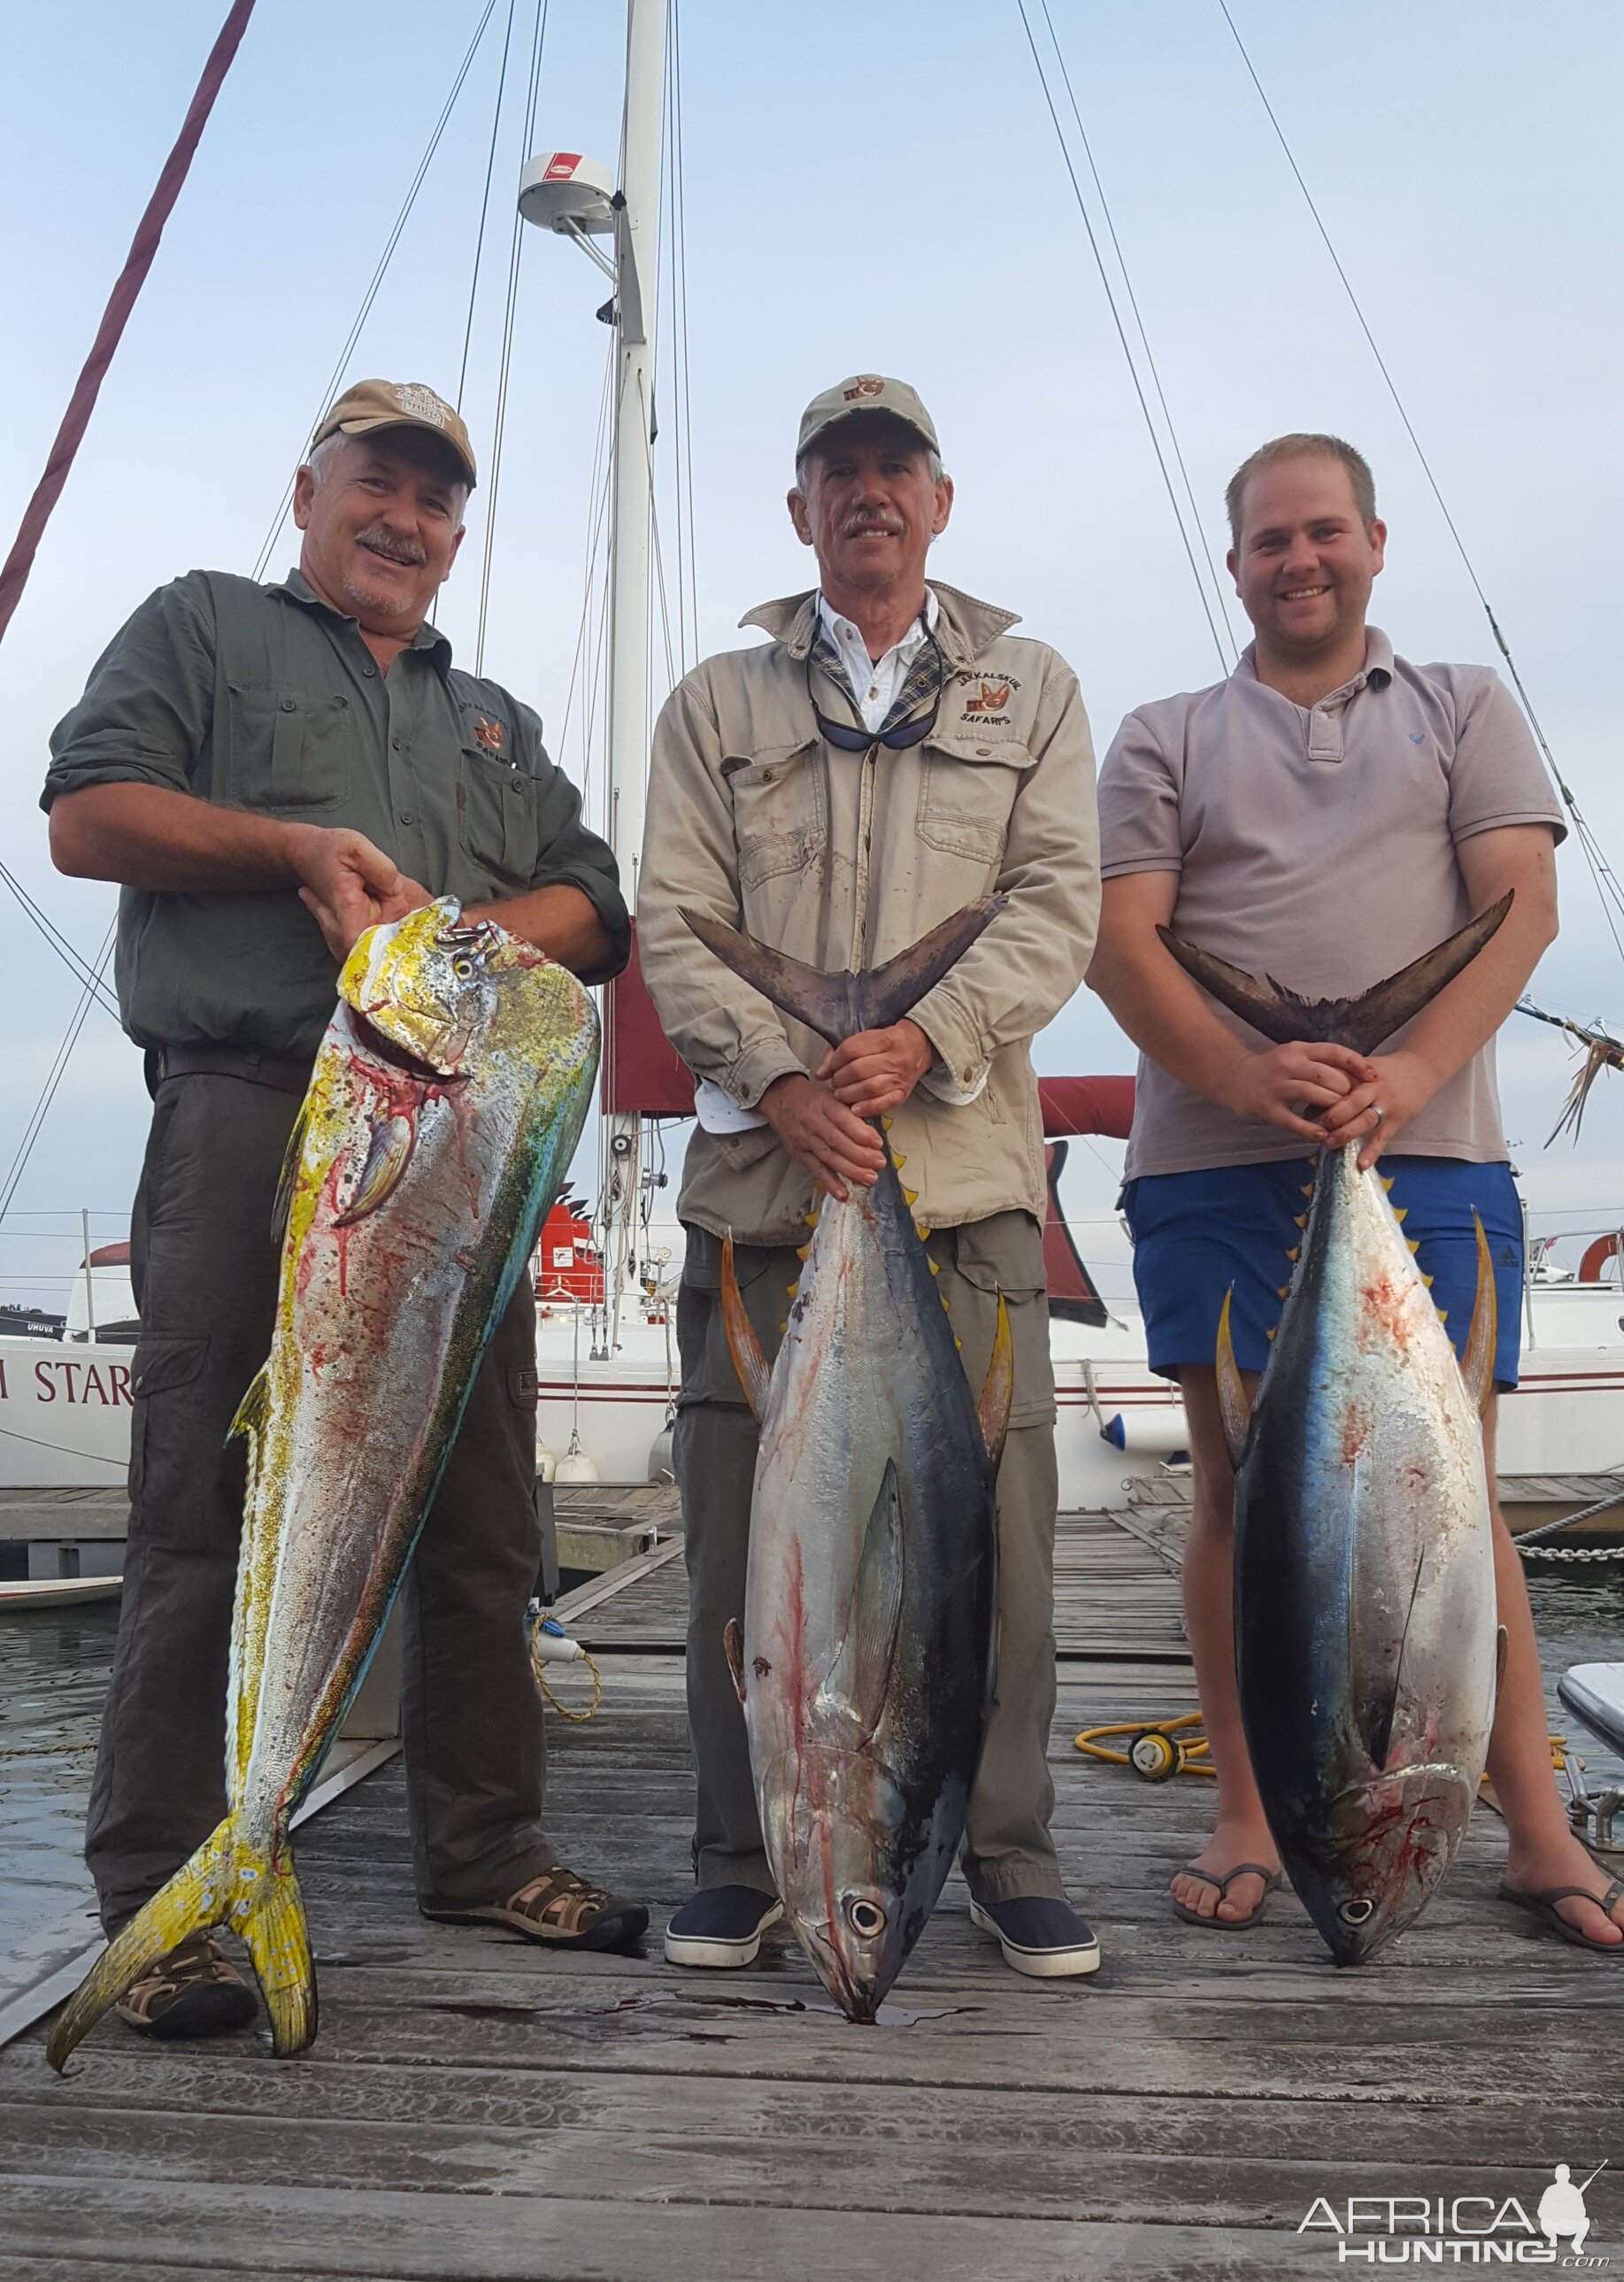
[1377, 1112]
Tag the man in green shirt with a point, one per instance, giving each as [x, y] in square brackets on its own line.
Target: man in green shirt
[266, 772]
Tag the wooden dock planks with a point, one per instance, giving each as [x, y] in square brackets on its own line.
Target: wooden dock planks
[475, 2108]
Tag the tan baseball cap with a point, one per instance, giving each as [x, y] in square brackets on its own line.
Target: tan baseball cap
[374, 404]
[864, 392]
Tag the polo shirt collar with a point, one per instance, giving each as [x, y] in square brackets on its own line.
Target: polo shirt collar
[298, 589]
[1378, 665]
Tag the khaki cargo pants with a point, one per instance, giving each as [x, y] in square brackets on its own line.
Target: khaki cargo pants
[1008, 1849]
[205, 1268]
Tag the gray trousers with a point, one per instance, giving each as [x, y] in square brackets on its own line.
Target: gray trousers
[1008, 1849]
[204, 1272]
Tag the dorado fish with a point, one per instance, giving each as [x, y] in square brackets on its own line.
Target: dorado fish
[865, 1665]
[1365, 1639]
[445, 1107]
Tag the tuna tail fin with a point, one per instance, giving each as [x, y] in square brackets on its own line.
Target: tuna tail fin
[225, 1883]
[1477, 1364]
[1361, 1023]
[839, 1005]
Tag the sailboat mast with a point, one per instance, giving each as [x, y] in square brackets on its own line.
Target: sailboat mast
[637, 241]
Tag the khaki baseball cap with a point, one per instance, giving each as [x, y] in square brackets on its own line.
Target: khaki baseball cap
[864, 392]
[374, 404]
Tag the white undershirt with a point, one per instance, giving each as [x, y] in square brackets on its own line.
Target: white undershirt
[875, 681]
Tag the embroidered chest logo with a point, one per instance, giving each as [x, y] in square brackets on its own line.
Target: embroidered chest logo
[490, 734]
[994, 696]
[870, 384]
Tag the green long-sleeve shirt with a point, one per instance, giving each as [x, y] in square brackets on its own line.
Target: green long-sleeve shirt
[262, 698]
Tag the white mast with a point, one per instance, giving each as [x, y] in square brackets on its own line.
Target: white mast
[568, 193]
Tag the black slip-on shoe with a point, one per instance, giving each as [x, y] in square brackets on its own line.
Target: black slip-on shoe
[1040, 1936]
[721, 1927]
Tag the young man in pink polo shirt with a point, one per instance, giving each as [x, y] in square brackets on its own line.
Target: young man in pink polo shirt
[1325, 815]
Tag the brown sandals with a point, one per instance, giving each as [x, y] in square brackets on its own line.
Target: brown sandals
[194, 1991]
[1271, 1880]
[560, 1910]
[1543, 1905]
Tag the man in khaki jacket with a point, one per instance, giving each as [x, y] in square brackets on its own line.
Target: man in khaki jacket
[888, 757]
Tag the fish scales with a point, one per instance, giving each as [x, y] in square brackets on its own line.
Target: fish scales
[865, 1662]
[446, 1101]
[864, 1775]
[1365, 1593]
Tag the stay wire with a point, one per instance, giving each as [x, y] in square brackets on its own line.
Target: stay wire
[48, 1094]
[79, 967]
[516, 259]
[485, 204]
[1139, 321]
[1094, 243]
[378, 274]
[1601, 870]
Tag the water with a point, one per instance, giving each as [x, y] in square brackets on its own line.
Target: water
[53, 1675]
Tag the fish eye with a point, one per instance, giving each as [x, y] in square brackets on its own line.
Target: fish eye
[865, 1918]
[462, 968]
[1359, 1911]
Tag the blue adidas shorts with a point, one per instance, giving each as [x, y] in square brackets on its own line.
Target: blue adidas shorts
[1197, 1234]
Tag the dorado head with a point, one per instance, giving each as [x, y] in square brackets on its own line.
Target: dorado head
[1390, 1842]
[425, 985]
[854, 1912]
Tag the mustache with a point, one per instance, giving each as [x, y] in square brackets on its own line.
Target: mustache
[395, 549]
[887, 525]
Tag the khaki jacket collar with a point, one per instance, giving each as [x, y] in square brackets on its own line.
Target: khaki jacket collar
[964, 629]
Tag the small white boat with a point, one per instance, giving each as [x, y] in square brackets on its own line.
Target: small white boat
[57, 1592]
[1596, 1693]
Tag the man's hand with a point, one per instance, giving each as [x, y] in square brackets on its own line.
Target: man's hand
[1400, 1085]
[875, 1070]
[348, 885]
[820, 1133]
[1275, 1088]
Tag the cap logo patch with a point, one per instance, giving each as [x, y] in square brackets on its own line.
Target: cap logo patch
[993, 697]
[870, 384]
[421, 403]
[489, 734]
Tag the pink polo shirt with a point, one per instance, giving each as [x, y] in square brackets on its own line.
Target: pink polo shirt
[1318, 847]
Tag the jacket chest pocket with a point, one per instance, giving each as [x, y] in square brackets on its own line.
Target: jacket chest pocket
[780, 811]
[497, 821]
[966, 793]
[289, 750]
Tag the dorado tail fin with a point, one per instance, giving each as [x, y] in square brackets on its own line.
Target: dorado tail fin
[1361, 1023]
[227, 1884]
[839, 1005]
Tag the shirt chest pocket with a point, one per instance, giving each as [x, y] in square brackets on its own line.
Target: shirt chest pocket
[780, 810]
[289, 750]
[496, 820]
[966, 793]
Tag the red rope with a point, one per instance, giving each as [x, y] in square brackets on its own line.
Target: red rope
[122, 299]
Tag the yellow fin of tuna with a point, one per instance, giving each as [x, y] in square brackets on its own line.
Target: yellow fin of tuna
[1477, 1365]
[744, 1347]
[998, 1388]
[287, 1178]
[1234, 1403]
[911, 1196]
[734, 1648]
[393, 1139]
[920, 1230]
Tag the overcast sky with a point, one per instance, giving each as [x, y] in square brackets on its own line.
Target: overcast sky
[876, 188]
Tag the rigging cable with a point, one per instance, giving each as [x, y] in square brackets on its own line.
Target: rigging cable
[263, 558]
[120, 301]
[78, 967]
[484, 203]
[1160, 396]
[1156, 441]
[1601, 871]
[515, 257]
[48, 1094]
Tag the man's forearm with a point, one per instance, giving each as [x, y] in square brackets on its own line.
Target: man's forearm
[1464, 1017]
[169, 842]
[1154, 1001]
[561, 921]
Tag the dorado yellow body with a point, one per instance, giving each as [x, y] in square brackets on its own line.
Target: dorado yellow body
[445, 1107]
